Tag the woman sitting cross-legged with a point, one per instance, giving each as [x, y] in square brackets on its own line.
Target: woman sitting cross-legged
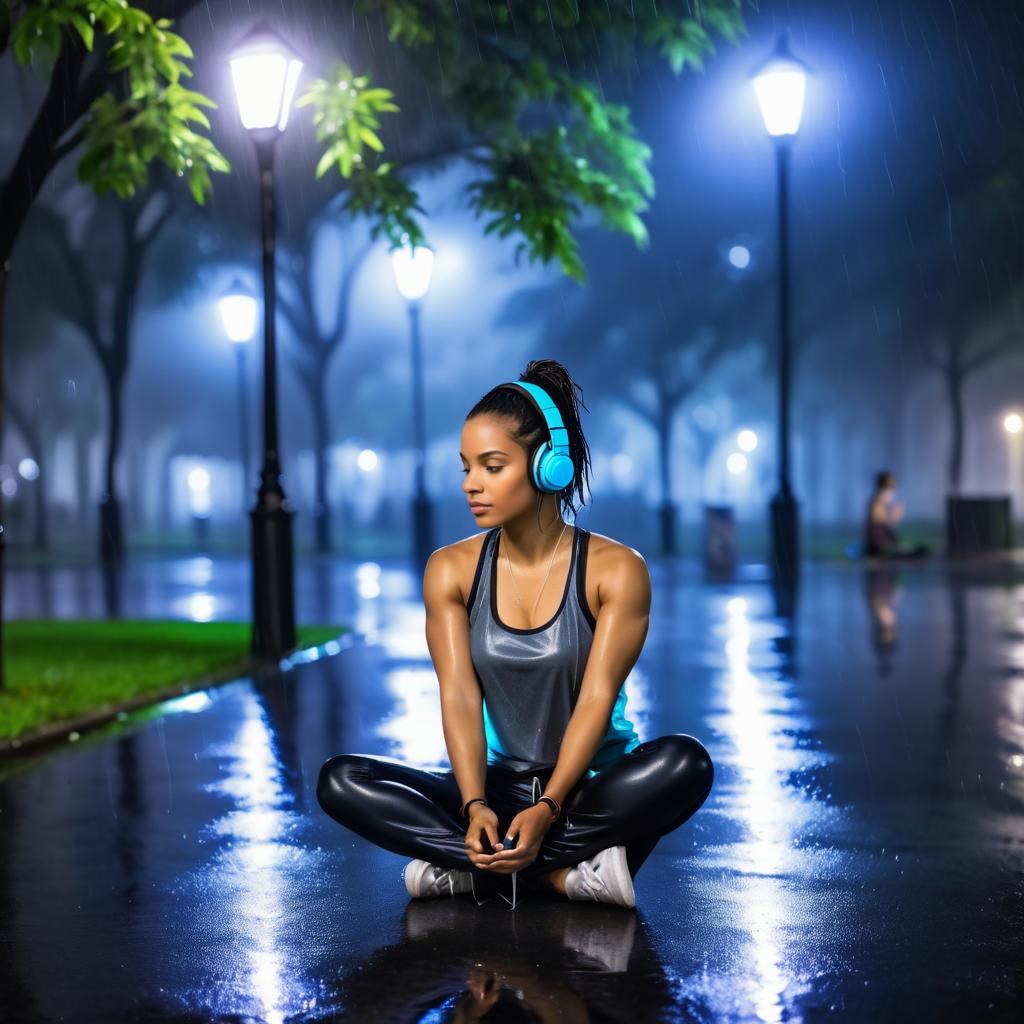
[533, 626]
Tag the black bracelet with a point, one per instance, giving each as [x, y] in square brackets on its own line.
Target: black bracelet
[553, 803]
[476, 799]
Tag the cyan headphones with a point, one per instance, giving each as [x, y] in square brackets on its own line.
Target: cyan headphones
[551, 468]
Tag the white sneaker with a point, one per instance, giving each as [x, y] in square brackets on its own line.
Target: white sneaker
[425, 880]
[605, 878]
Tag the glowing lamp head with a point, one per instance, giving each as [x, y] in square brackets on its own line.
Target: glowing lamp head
[780, 83]
[265, 73]
[739, 256]
[1013, 424]
[366, 460]
[238, 310]
[199, 479]
[413, 266]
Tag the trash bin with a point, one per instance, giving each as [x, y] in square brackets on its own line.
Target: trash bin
[719, 538]
[977, 525]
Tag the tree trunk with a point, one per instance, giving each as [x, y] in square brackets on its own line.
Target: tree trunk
[82, 466]
[111, 533]
[4, 272]
[34, 445]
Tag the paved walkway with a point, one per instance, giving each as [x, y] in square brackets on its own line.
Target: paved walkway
[859, 857]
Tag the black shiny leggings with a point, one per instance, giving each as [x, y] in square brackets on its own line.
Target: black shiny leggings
[647, 793]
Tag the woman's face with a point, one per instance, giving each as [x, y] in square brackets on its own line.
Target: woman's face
[495, 472]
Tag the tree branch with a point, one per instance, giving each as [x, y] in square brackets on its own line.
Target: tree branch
[642, 411]
[296, 318]
[986, 355]
[147, 237]
[72, 142]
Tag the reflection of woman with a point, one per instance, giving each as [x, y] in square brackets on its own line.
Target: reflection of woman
[884, 512]
[532, 626]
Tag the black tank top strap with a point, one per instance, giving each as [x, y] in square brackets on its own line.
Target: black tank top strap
[480, 562]
[581, 577]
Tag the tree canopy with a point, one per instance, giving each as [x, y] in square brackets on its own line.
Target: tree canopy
[522, 82]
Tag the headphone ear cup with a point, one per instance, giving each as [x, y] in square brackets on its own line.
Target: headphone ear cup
[551, 473]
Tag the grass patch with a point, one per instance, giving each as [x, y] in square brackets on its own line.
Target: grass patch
[59, 669]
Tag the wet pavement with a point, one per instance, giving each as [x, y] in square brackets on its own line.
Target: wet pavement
[861, 855]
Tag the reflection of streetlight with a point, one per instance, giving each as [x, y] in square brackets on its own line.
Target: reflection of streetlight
[239, 311]
[198, 480]
[265, 73]
[413, 266]
[199, 492]
[780, 84]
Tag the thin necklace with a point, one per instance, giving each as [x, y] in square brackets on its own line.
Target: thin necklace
[541, 591]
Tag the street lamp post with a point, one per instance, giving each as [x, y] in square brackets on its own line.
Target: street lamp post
[780, 84]
[265, 73]
[413, 266]
[1013, 425]
[238, 312]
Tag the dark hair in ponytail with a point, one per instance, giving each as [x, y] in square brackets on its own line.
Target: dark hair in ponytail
[532, 431]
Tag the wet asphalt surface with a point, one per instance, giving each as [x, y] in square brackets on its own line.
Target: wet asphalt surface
[861, 856]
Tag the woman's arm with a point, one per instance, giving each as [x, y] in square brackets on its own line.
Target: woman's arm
[624, 590]
[461, 701]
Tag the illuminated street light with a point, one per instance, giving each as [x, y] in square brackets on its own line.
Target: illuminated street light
[366, 460]
[780, 84]
[413, 267]
[239, 311]
[1013, 424]
[265, 74]
[736, 463]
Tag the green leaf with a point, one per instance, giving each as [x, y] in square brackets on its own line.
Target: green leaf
[84, 29]
[371, 140]
[326, 162]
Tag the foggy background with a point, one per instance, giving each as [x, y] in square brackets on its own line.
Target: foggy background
[906, 200]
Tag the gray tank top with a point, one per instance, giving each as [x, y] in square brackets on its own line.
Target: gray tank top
[530, 678]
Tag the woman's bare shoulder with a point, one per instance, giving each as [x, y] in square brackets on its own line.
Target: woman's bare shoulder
[460, 558]
[612, 565]
[610, 551]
